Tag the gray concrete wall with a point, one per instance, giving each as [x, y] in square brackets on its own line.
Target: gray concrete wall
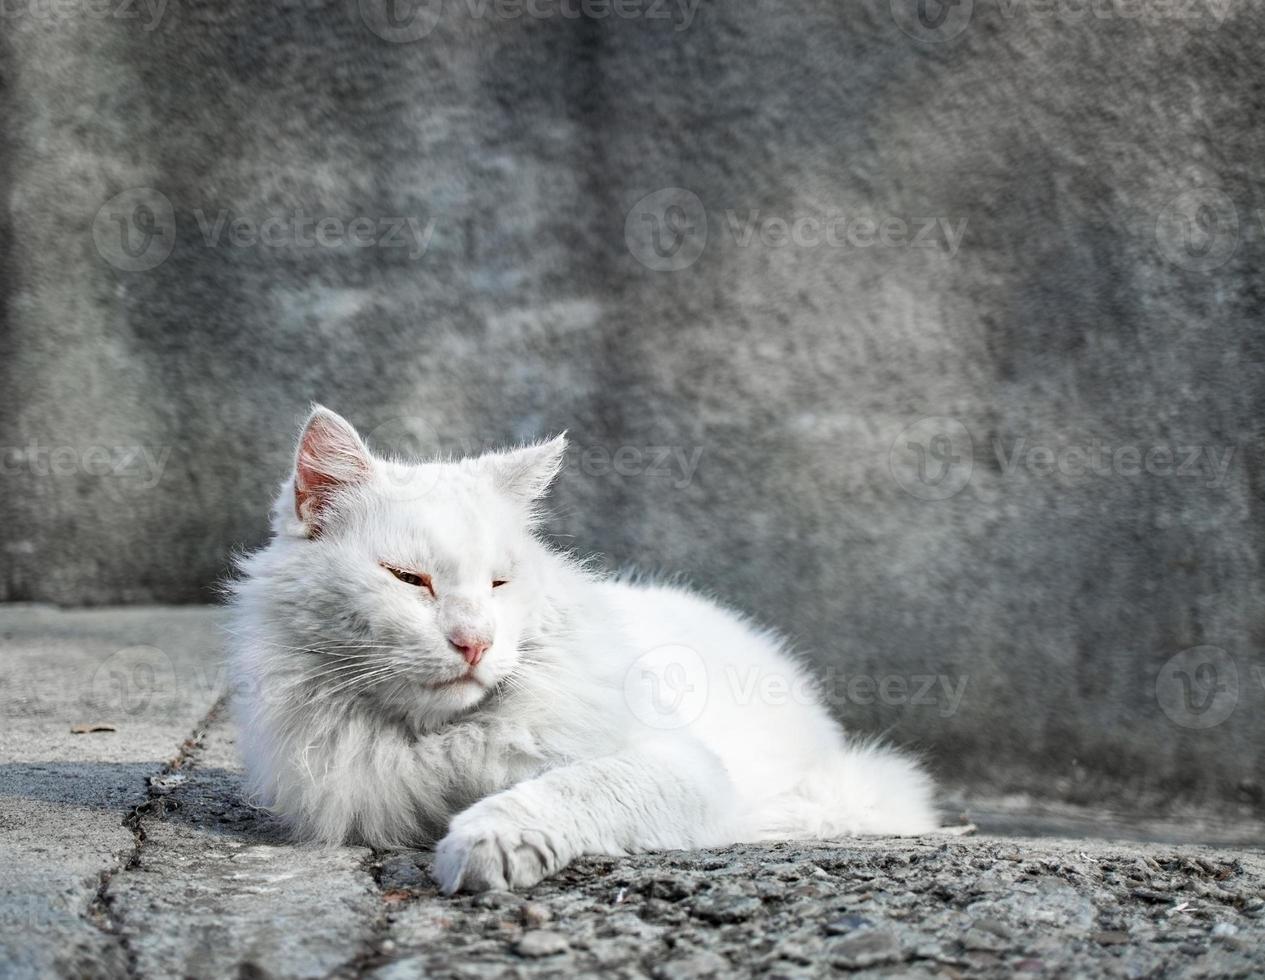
[1036, 226]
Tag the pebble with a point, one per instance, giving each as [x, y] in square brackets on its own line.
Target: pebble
[869, 947]
[400, 872]
[983, 942]
[693, 966]
[540, 942]
[847, 923]
[724, 908]
[498, 900]
[987, 935]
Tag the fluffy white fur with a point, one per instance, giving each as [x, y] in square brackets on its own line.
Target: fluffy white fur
[606, 717]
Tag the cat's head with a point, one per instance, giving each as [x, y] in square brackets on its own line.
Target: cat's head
[409, 582]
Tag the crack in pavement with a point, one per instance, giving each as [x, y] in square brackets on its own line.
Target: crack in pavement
[222, 891]
[101, 912]
[374, 953]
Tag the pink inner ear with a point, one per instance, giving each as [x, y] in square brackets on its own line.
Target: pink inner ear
[329, 458]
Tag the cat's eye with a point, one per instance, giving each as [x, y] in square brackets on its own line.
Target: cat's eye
[414, 579]
[498, 582]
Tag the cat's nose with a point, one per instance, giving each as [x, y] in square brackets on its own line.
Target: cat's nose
[471, 647]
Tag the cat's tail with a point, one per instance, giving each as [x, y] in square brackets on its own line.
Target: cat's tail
[867, 788]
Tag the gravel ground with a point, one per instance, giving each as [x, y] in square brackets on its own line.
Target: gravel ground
[119, 858]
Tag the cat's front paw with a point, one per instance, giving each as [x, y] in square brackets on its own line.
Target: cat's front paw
[486, 852]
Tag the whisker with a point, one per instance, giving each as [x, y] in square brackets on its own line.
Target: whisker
[363, 678]
[328, 670]
[318, 642]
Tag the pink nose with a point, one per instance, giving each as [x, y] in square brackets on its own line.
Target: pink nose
[471, 648]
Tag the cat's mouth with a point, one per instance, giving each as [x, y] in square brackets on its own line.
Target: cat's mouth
[455, 682]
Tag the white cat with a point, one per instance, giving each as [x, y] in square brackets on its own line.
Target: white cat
[411, 663]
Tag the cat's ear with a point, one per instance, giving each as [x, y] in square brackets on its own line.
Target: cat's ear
[330, 457]
[526, 473]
